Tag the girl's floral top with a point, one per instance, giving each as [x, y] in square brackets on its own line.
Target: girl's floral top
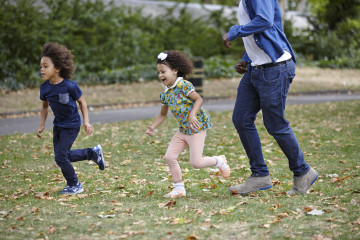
[176, 97]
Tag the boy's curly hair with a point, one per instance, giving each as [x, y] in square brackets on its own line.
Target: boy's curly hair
[61, 58]
[177, 60]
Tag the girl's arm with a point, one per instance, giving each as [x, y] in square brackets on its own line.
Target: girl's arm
[43, 115]
[158, 120]
[193, 122]
[83, 107]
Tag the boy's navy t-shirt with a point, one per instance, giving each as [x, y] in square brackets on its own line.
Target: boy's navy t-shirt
[62, 100]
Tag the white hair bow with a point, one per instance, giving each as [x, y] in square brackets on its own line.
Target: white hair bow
[162, 56]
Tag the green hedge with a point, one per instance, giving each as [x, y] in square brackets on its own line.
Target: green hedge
[110, 43]
[117, 44]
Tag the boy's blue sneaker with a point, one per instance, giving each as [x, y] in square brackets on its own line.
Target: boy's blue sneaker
[99, 160]
[78, 188]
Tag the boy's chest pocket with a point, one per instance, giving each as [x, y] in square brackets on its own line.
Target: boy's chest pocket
[64, 98]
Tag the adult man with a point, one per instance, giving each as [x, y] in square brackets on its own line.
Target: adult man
[269, 67]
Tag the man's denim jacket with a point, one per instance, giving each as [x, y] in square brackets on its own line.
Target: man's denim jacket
[266, 25]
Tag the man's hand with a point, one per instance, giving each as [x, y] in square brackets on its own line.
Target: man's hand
[226, 41]
[241, 66]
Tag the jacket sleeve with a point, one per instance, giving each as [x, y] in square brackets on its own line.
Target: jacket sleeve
[262, 17]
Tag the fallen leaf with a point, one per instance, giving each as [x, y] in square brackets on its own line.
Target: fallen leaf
[34, 210]
[321, 237]
[308, 209]
[266, 225]
[106, 216]
[315, 212]
[125, 162]
[276, 220]
[170, 204]
[192, 237]
[283, 215]
[51, 230]
[180, 221]
[5, 213]
[241, 203]
[275, 182]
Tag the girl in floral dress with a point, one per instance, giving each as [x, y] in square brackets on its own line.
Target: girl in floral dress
[186, 105]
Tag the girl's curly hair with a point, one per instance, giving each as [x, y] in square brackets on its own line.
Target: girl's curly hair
[179, 61]
[61, 58]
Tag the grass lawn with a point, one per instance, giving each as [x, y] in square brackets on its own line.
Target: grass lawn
[126, 200]
[307, 80]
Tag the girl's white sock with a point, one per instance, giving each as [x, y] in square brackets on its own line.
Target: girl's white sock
[179, 186]
[219, 162]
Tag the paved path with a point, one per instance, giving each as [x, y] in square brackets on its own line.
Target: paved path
[30, 124]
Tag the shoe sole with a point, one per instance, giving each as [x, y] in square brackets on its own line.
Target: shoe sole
[317, 175]
[264, 188]
[77, 192]
[102, 156]
[177, 196]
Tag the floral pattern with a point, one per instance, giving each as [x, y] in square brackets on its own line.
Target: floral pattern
[181, 105]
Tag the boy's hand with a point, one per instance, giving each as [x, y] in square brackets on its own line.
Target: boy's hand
[88, 129]
[39, 131]
[150, 131]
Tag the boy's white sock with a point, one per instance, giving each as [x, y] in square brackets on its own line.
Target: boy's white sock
[219, 162]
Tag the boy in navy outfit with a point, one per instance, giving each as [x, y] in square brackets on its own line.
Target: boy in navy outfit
[61, 94]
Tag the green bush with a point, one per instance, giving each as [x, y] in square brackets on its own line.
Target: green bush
[219, 67]
[22, 29]
[108, 41]
[334, 39]
[117, 44]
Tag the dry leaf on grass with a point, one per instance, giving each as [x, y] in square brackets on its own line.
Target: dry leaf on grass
[106, 216]
[170, 204]
[283, 215]
[266, 225]
[192, 237]
[315, 212]
[51, 230]
[308, 209]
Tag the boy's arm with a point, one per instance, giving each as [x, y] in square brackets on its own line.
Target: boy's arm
[83, 107]
[43, 115]
[158, 120]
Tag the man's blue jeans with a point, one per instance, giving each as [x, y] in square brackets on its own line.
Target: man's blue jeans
[63, 139]
[266, 89]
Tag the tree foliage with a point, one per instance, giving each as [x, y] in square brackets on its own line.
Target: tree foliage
[107, 40]
[334, 39]
[114, 43]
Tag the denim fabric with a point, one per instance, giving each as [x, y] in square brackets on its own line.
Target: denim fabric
[266, 89]
[266, 26]
[63, 139]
